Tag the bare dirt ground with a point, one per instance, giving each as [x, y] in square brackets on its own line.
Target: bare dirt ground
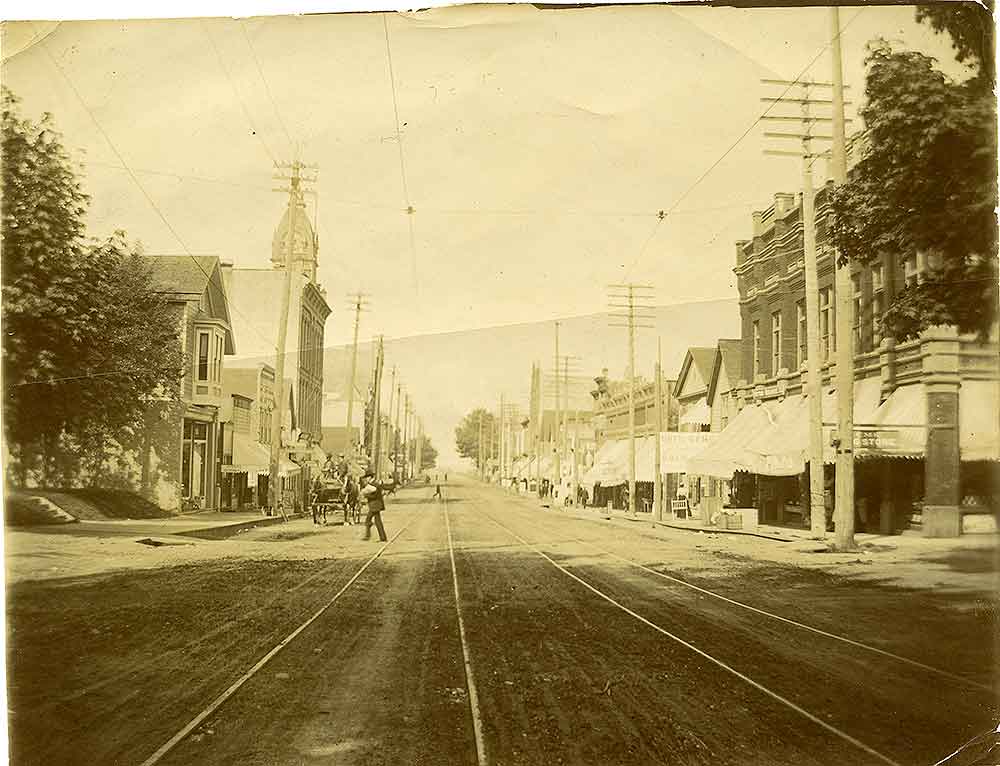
[125, 645]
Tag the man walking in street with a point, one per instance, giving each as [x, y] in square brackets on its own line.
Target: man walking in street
[372, 493]
[437, 493]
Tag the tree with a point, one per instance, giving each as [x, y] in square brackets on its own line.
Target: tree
[88, 341]
[925, 183]
[428, 455]
[971, 28]
[467, 434]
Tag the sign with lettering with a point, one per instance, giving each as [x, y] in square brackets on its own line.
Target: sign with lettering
[876, 440]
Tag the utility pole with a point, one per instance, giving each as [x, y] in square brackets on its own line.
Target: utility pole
[814, 384]
[636, 297]
[479, 448]
[420, 447]
[396, 435]
[406, 440]
[296, 207]
[388, 425]
[555, 434]
[539, 428]
[500, 450]
[377, 410]
[658, 478]
[357, 303]
[844, 490]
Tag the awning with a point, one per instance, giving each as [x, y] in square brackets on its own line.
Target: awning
[900, 424]
[610, 466]
[979, 419]
[782, 448]
[677, 448]
[696, 414]
[728, 453]
[253, 458]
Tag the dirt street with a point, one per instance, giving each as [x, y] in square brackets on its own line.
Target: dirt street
[577, 655]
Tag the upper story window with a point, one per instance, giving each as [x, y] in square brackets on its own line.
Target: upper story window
[856, 290]
[802, 346]
[878, 302]
[210, 345]
[775, 342]
[913, 269]
[756, 348]
[827, 340]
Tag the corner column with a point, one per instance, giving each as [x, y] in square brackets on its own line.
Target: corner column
[942, 516]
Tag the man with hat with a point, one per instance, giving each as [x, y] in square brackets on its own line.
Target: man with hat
[371, 490]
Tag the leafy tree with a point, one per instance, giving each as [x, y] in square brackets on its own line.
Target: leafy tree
[467, 433]
[428, 454]
[88, 342]
[971, 28]
[925, 183]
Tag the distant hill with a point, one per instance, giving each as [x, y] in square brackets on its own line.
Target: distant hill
[449, 374]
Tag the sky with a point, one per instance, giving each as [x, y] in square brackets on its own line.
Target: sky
[534, 147]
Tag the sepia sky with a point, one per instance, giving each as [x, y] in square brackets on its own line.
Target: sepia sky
[538, 145]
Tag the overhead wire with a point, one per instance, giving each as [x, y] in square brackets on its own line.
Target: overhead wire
[718, 161]
[114, 148]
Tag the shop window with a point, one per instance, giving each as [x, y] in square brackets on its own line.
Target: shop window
[194, 458]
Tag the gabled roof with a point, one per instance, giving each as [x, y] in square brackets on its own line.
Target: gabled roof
[728, 357]
[189, 277]
[701, 359]
[182, 274]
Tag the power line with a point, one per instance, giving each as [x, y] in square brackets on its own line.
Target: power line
[232, 84]
[745, 133]
[267, 88]
[399, 145]
[132, 175]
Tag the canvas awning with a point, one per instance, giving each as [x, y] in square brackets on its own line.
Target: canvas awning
[676, 450]
[610, 466]
[900, 424]
[728, 453]
[697, 413]
[782, 447]
[253, 458]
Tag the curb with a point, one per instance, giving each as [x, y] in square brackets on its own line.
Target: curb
[222, 531]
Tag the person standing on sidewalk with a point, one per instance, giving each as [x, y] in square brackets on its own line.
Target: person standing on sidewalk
[372, 492]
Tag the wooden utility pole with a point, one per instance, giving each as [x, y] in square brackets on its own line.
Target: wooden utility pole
[635, 297]
[539, 429]
[658, 477]
[420, 447]
[389, 438]
[814, 383]
[357, 303]
[844, 490]
[479, 448]
[296, 207]
[501, 451]
[396, 435]
[555, 434]
[406, 440]
[377, 410]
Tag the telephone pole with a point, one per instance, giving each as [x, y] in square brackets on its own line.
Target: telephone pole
[844, 490]
[377, 410]
[658, 479]
[296, 207]
[406, 439]
[357, 304]
[420, 447]
[388, 424]
[500, 443]
[396, 434]
[636, 297]
[479, 447]
[814, 384]
[561, 376]
[555, 431]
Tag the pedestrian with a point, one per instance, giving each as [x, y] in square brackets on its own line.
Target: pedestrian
[437, 492]
[372, 492]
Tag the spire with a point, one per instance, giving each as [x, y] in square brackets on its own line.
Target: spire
[305, 243]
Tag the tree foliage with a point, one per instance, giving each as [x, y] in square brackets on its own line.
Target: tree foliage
[88, 340]
[467, 433]
[971, 28]
[428, 454]
[925, 183]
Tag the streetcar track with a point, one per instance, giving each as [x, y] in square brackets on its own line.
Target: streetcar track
[186, 730]
[803, 626]
[470, 681]
[728, 668]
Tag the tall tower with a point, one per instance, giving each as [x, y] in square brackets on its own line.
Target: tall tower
[305, 243]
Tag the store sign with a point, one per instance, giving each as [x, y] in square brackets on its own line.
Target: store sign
[872, 440]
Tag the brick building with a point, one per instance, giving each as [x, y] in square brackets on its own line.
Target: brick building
[926, 410]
